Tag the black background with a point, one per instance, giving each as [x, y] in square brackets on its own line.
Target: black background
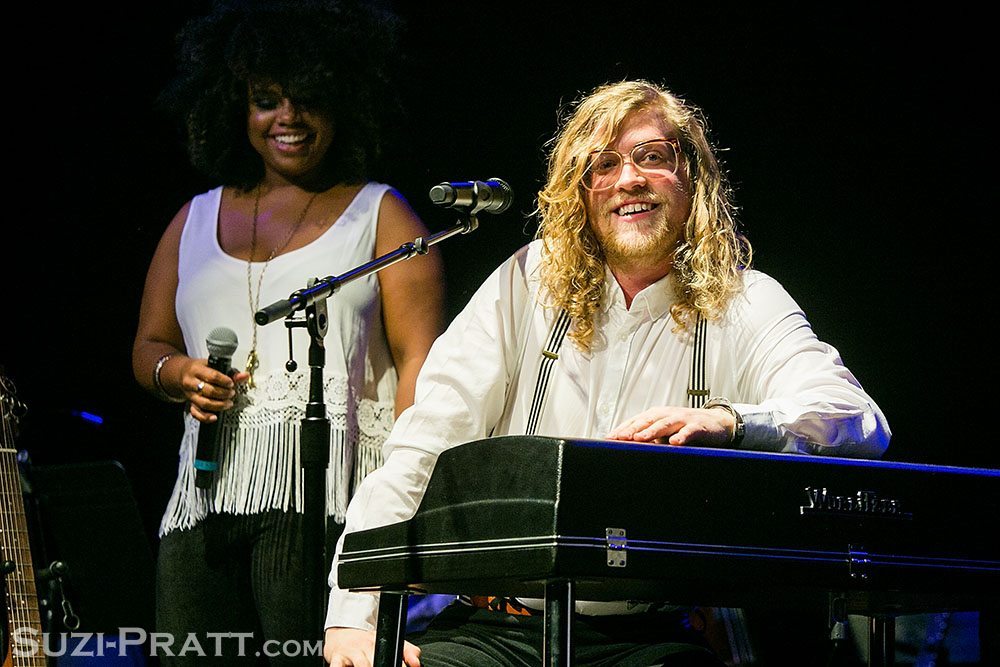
[855, 136]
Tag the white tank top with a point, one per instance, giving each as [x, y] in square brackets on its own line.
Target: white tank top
[259, 466]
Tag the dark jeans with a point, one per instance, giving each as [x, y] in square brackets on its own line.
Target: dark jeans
[231, 590]
[461, 636]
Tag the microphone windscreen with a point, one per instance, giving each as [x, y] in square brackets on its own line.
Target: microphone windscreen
[222, 342]
[503, 202]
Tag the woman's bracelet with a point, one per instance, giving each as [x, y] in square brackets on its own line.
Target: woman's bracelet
[159, 385]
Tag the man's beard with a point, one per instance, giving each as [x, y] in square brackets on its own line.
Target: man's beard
[649, 242]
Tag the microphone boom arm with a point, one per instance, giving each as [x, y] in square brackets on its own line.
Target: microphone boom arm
[303, 298]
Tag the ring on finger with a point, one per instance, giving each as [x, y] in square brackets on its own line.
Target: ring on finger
[201, 385]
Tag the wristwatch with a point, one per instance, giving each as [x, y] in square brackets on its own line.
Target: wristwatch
[740, 429]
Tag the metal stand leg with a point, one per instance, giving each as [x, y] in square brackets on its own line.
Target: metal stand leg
[881, 641]
[390, 629]
[557, 647]
[839, 628]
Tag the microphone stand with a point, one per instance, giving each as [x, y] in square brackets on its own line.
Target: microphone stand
[322, 289]
[315, 436]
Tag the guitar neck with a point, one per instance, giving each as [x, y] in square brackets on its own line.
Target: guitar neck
[25, 640]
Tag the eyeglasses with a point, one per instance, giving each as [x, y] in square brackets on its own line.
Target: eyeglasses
[656, 158]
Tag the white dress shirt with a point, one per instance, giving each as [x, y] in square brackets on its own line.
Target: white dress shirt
[794, 393]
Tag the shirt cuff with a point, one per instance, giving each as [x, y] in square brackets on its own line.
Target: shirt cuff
[347, 609]
[759, 430]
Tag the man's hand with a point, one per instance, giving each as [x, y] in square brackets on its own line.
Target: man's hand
[678, 426]
[350, 646]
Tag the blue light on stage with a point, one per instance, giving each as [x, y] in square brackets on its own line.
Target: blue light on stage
[88, 416]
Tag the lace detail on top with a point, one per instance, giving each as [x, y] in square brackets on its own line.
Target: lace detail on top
[260, 465]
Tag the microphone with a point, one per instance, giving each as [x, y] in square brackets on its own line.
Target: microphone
[222, 344]
[492, 196]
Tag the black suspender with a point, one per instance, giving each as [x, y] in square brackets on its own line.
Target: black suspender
[698, 391]
[549, 355]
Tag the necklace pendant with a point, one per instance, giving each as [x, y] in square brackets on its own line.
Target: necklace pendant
[252, 365]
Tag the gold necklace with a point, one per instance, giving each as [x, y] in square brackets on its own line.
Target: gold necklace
[253, 361]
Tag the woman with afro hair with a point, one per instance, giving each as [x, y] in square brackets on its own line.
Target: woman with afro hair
[281, 105]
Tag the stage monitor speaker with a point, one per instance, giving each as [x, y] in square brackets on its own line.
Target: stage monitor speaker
[89, 521]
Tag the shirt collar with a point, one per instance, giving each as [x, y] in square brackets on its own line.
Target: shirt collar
[654, 300]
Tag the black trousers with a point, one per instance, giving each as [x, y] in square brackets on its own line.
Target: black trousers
[462, 635]
[230, 590]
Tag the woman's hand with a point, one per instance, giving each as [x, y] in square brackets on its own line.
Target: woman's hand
[207, 390]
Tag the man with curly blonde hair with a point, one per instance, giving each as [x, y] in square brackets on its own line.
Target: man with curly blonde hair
[638, 261]
[700, 244]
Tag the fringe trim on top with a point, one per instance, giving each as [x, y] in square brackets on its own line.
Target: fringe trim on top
[260, 468]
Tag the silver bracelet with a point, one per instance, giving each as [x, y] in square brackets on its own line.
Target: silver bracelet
[159, 385]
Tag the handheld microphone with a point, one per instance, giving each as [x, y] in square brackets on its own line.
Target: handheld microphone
[492, 196]
[222, 344]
